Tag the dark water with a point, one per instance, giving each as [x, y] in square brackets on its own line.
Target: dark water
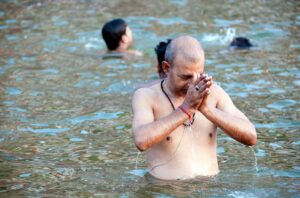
[65, 115]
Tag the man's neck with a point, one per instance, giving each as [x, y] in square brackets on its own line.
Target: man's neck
[121, 49]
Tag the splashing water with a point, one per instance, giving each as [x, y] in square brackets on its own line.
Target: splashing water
[255, 159]
[221, 38]
[136, 171]
[229, 35]
[137, 158]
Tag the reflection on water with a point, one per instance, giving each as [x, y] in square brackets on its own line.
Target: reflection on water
[65, 109]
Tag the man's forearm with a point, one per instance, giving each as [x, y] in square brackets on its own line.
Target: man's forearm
[239, 129]
[147, 135]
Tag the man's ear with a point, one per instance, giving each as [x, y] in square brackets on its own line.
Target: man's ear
[124, 39]
[165, 66]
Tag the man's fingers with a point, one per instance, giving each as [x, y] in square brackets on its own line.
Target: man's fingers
[204, 93]
[203, 84]
[203, 80]
[200, 78]
[209, 83]
[208, 78]
[200, 89]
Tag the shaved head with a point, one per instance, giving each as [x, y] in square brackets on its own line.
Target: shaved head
[186, 48]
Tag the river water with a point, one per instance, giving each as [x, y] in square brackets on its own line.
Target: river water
[65, 112]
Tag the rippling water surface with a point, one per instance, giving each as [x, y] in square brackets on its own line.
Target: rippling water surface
[65, 115]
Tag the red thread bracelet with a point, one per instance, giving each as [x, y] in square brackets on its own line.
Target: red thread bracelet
[186, 112]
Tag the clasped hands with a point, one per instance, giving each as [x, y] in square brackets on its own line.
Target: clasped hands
[197, 93]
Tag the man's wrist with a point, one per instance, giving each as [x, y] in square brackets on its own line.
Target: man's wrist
[187, 107]
[190, 117]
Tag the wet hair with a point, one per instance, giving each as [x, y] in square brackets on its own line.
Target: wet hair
[240, 43]
[112, 32]
[160, 51]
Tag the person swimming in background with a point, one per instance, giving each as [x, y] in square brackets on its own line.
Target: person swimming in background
[240, 43]
[160, 51]
[118, 37]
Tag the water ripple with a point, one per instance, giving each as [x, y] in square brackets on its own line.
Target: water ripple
[3, 27]
[95, 116]
[11, 37]
[44, 130]
[279, 105]
[13, 91]
[10, 21]
[76, 139]
[58, 22]
[278, 125]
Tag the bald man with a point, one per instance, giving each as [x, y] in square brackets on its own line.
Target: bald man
[175, 120]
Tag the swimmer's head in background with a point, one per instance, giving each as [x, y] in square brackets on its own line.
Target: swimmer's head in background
[112, 32]
[160, 51]
[240, 43]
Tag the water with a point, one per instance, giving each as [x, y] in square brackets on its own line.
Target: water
[65, 115]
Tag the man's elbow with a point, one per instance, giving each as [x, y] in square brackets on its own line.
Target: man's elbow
[252, 139]
[141, 146]
[251, 142]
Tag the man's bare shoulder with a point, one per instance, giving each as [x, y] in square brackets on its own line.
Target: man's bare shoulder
[217, 93]
[148, 84]
[148, 92]
[223, 100]
[216, 90]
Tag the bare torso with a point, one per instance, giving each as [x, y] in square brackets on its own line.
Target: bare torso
[188, 151]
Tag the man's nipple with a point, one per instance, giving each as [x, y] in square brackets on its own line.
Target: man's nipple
[168, 138]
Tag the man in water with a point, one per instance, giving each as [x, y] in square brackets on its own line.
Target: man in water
[118, 37]
[160, 51]
[240, 43]
[175, 120]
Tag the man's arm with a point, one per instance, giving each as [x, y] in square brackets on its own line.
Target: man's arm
[147, 131]
[229, 118]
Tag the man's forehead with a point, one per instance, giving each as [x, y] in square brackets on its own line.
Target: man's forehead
[187, 56]
[182, 62]
[189, 68]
